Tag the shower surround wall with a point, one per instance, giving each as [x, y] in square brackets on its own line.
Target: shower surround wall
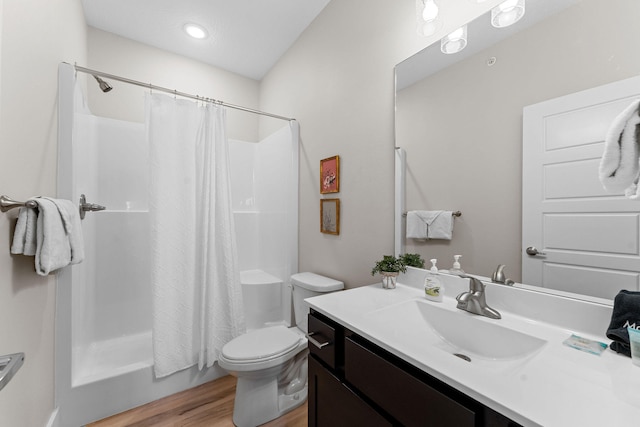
[264, 187]
[104, 352]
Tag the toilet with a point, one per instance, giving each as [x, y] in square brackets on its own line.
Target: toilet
[271, 362]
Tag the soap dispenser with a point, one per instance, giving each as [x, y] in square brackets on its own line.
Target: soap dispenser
[433, 288]
[456, 269]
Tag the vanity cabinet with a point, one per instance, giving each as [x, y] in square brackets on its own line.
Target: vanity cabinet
[353, 382]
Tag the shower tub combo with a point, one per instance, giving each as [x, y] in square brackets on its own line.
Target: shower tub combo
[104, 355]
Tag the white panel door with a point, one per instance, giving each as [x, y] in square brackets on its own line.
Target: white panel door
[587, 239]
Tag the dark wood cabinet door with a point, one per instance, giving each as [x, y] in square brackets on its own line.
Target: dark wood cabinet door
[332, 404]
[406, 398]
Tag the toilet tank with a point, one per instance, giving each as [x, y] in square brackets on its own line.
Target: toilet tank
[307, 285]
[262, 296]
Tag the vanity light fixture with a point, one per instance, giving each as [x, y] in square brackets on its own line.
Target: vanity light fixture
[428, 16]
[507, 13]
[454, 42]
[196, 31]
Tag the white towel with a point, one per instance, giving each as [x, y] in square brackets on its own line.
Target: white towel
[442, 226]
[53, 234]
[70, 216]
[619, 166]
[430, 225]
[416, 226]
[24, 236]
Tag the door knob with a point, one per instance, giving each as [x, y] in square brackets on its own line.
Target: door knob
[531, 250]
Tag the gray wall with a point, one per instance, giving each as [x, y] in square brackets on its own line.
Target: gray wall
[338, 81]
[120, 56]
[36, 36]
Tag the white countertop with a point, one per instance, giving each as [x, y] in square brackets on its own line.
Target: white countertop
[556, 386]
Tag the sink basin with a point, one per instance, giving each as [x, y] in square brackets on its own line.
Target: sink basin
[464, 333]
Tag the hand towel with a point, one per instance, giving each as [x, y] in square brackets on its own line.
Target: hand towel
[430, 225]
[633, 191]
[70, 216]
[416, 226]
[58, 235]
[24, 236]
[441, 227]
[626, 312]
[619, 166]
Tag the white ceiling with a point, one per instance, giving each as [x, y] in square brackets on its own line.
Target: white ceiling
[246, 37]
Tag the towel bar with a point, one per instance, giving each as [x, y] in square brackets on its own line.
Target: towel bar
[88, 207]
[456, 213]
[7, 203]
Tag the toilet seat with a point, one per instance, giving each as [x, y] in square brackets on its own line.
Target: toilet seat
[261, 345]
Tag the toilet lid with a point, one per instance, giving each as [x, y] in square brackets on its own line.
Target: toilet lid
[261, 344]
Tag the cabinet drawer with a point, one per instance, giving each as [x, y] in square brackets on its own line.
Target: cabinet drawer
[407, 399]
[322, 339]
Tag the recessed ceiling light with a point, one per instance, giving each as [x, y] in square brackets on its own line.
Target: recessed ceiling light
[196, 31]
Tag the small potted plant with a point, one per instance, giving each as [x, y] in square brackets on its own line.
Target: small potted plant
[389, 267]
[412, 260]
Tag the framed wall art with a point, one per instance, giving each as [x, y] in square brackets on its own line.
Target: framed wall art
[330, 175]
[330, 216]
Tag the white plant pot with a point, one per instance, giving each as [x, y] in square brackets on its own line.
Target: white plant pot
[389, 279]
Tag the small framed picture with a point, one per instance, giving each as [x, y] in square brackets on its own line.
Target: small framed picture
[330, 216]
[330, 175]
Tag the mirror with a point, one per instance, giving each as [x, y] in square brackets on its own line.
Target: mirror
[459, 117]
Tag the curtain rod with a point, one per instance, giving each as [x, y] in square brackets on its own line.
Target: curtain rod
[175, 92]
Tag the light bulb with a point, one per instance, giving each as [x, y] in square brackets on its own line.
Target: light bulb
[507, 6]
[429, 29]
[430, 11]
[455, 35]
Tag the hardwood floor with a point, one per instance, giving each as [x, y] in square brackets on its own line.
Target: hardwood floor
[209, 405]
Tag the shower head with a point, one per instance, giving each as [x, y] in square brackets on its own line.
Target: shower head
[104, 86]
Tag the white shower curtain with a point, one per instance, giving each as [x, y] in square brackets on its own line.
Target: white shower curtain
[197, 298]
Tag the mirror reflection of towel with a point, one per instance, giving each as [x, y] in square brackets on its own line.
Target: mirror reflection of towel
[619, 166]
[430, 225]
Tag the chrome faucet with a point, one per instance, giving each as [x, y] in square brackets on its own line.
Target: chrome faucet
[499, 277]
[474, 300]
